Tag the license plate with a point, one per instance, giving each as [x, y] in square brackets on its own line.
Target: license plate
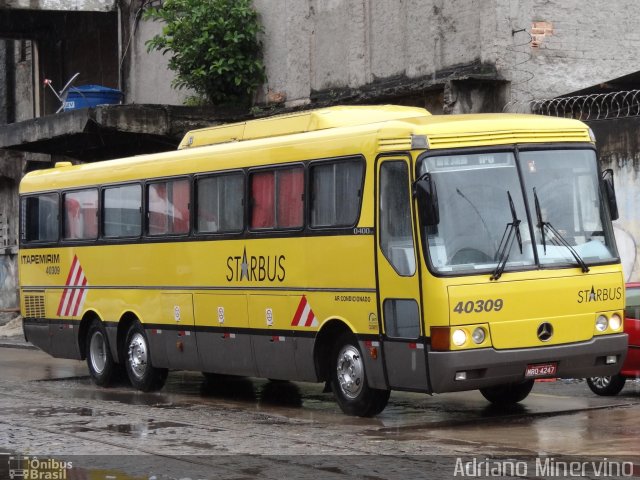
[541, 370]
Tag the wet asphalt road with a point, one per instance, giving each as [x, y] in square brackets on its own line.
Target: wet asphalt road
[248, 428]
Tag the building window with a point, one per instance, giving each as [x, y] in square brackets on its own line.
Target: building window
[277, 200]
[220, 203]
[168, 207]
[81, 215]
[122, 211]
[336, 193]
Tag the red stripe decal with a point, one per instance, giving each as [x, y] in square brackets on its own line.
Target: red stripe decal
[298, 315]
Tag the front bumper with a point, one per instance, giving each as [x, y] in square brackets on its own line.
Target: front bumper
[488, 367]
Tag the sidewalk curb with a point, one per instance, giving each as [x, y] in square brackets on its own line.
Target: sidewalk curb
[21, 344]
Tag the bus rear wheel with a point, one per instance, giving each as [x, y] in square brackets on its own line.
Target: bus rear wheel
[606, 386]
[102, 367]
[349, 381]
[508, 394]
[140, 370]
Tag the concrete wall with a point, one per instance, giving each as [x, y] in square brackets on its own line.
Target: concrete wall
[332, 45]
[11, 171]
[3, 82]
[24, 98]
[618, 142]
[543, 47]
[148, 79]
[568, 44]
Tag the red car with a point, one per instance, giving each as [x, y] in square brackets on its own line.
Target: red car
[631, 367]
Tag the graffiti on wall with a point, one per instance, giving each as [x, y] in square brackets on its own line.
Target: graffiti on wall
[8, 281]
[627, 227]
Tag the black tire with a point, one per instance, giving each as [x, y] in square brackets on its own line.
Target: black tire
[606, 386]
[349, 381]
[103, 369]
[140, 370]
[507, 394]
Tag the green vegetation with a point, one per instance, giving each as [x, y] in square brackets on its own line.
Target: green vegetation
[214, 47]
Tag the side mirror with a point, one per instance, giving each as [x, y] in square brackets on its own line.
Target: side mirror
[610, 193]
[424, 190]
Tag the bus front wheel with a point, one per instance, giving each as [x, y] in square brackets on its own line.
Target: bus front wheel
[102, 367]
[349, 382]
[140, 370]
[507, 394]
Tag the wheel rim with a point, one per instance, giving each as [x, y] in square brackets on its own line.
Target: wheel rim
[601, 382]
[350, 371]
[138, 356]
[98, 352]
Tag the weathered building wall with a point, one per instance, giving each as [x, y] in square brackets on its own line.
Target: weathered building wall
[11, 171]
[618, 142]
[542, 47]
[3, 83]
[24, 80]
[574, 44]
[148, 79]
[329, 46]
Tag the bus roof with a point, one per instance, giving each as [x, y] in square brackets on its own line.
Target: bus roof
[299, 122]
[346, 130]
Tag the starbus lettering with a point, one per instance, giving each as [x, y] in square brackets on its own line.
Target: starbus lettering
[599, 294]
[39, 259]
[255, 268]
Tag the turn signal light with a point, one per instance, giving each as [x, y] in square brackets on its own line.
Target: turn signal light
[440, 338]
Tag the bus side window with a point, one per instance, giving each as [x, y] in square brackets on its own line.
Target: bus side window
[81, 215]
[262, 198]
[277, 198]
[122, 211]
[220, 203]
[168, 207]
[290, 200]
[396, 235]
[40, 218]
[336, 193]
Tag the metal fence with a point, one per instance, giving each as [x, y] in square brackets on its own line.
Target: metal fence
[596, 106]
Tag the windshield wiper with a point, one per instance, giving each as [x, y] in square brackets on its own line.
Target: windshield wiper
[557, 238]
[511, 231]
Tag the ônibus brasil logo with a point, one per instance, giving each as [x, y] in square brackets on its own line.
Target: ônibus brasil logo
[33, 468]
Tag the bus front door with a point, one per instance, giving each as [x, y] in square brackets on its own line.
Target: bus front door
[398, 280]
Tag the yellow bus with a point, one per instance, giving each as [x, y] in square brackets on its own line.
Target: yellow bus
[372, 248]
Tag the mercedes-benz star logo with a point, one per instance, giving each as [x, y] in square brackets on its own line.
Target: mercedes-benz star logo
[545, 331]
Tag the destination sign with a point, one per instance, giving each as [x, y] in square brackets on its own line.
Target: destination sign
[472, 161]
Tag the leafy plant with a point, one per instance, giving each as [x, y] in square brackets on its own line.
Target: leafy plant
[214, 47]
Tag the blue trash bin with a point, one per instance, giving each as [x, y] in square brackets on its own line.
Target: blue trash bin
[85, 96]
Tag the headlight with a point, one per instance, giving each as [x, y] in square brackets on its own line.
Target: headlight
[615, 322]
[459, 338]
[601, 323]
[478, 335]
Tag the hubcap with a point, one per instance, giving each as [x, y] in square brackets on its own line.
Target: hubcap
[138, 355]
[98, 352]
[601, 382]
[350, 371]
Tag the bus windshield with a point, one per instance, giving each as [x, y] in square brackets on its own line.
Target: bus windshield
[481, 204]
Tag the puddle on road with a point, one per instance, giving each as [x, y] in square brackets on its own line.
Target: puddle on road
[55, 411]
[277, 401]
[142, 429]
